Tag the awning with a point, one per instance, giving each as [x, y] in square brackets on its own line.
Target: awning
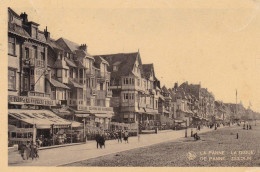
[150, 111]
[42, 118]
[179, 121]
[75, 84]
[16, 103]
[82, 115]
[76, 124]
[141, 110]
[104, 115]
[61, 112]
[57, 84]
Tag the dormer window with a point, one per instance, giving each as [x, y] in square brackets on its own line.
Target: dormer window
[115, 68]
[34, 32]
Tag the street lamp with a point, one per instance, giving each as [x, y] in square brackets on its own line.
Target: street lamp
[186, 128]
[84, 130]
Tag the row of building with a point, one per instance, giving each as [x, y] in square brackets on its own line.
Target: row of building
[56, 86]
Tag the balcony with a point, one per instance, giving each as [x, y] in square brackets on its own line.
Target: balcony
[101, 94]
[152, 91]
[93, 91]
[90, 72]
[35, 94]
[34, 62]
[109, 93]
[102, 76]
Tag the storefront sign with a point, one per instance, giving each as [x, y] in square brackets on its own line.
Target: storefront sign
[95, 109]
[30, 100]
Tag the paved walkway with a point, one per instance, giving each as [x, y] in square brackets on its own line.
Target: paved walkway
[70, 154]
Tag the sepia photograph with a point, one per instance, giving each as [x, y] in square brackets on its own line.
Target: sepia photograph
[162, 83]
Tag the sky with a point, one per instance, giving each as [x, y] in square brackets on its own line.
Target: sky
[215, 43]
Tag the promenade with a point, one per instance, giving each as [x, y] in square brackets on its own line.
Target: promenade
[65, 155]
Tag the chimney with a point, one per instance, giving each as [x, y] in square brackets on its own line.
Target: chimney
[24, 16]
[175, 85]
[46, 34]
[83, 47]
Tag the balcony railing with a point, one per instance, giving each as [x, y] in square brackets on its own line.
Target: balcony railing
[90, 72]
[35, 94]
[36, 63]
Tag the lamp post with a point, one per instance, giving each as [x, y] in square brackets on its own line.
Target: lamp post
[186, 128]
[84, 129]
[71, 133]
[52, 128]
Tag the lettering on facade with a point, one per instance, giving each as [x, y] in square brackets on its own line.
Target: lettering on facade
[95, 108]
[29, 100]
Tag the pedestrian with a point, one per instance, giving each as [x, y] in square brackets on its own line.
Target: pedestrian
[247, 126]
[102, 141]
[119, 136]
[21, 148]
[97, 139]
[126, 136]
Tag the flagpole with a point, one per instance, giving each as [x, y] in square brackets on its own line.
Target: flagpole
[236, 102]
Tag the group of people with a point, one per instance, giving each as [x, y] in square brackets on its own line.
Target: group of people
[247, 126]
[29, 150]
[119, 135]
[122, 134]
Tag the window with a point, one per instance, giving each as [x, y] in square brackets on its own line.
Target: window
[88, 101]
[10, 17]
[156, 104]
[11, 79]
[32, 71]
[125, 96]
[132, 96]
[26, 83]
[66, 73]
[88, 82]
[93, 82]
[71, 72]
[34, 32]
[11, 46]
[133, 81]
[115, 68]
[138, 82]
[42, 56]
[27, 53]
[35, 52]
[125, 81]
[101, 86]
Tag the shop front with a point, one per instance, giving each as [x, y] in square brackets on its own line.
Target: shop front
[41, 126]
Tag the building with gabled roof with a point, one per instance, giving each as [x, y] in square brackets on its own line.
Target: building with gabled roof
[135, 97]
